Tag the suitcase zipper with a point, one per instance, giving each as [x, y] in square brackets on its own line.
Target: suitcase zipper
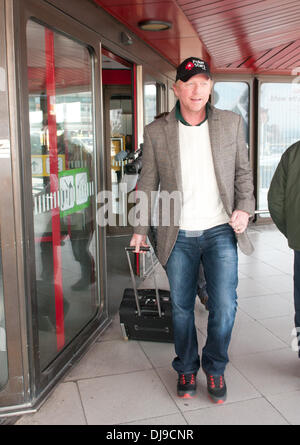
[137, 328]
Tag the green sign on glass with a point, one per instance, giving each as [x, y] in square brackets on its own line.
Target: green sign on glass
[74, 189]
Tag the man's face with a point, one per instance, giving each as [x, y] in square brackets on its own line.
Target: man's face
[193, 94]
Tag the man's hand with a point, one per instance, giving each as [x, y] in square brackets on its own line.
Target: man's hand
[138, 241]
[239, 221]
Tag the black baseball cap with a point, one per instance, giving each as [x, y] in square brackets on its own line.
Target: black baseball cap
[190, 67]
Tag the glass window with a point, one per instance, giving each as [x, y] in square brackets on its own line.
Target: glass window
[3, 350]
[234, 96]
[63, 186]
[150, 102]
[279, 116]
[171, 98]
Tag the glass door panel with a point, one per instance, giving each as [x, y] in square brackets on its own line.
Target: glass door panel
[154, 99]
[150, 102]
[119, 137]
[60, 74]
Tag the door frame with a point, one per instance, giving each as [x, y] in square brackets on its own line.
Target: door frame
[16, 389]
[34, 382]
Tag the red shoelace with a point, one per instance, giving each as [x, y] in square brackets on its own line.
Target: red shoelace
[183, 379]
[212, 381]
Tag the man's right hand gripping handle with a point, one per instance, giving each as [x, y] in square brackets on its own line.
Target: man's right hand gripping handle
[138, 241]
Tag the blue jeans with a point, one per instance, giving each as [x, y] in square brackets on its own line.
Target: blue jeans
[297, 294]
[217, 249]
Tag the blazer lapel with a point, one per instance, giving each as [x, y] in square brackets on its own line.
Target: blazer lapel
[172, 134]
[215, 136]
[215, 141]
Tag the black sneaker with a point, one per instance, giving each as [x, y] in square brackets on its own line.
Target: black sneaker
[186, 386]
[216, 387]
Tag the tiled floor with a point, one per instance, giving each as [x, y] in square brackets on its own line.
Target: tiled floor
[133, 383]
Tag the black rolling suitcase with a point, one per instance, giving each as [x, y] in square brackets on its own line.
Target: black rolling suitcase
[146, 314]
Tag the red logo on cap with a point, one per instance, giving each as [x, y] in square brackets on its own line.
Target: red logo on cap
[189, 66]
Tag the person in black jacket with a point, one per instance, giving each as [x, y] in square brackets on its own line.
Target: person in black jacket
[284, 207]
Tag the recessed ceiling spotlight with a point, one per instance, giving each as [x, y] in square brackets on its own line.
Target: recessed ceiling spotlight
[154, 25]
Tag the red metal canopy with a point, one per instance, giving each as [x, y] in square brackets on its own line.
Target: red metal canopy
[238, 35]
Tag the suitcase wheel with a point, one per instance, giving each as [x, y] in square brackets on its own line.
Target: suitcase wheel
[123, 329]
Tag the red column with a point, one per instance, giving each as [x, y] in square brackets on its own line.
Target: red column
[54, 187]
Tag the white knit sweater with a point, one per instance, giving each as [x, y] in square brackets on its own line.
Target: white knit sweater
[202, 205]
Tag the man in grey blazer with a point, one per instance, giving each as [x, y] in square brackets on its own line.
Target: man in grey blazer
[198, 155]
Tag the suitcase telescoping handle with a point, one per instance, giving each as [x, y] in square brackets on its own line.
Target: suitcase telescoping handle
[138, 306]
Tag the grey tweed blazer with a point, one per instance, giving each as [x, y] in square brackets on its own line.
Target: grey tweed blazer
[161, 165]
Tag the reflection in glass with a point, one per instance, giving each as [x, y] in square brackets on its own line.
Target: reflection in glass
[279, 113]
[3, 349]
[120, 113]
[117, 77]
[63, 186]
[234, 96]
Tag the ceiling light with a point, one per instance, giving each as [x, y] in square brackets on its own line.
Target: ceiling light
[154, 25]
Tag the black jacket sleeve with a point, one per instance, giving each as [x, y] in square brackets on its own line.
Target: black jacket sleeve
[277, 196]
